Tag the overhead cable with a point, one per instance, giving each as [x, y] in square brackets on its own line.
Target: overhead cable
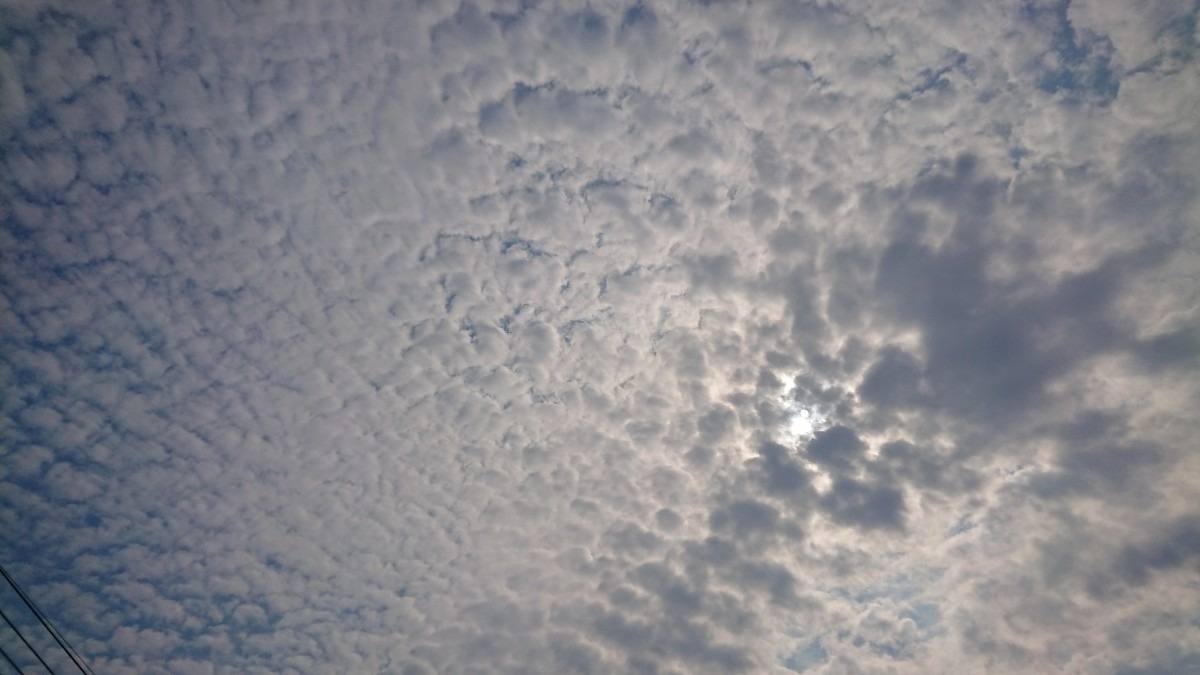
[16, 668]
[58, 637]
[18, 632]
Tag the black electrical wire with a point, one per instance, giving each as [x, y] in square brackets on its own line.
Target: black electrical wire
[18, 632]
[58, 637]
[16, 668]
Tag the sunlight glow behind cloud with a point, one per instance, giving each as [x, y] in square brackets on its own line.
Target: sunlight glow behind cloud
[603, 337]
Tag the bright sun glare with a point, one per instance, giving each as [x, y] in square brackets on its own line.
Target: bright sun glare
[802, 420]
[801, 423]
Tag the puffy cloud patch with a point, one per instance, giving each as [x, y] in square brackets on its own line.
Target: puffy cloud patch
[602, 337]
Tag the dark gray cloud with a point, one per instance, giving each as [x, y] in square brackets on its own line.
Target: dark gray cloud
[865, 505]
[602, 337]
[835, 448]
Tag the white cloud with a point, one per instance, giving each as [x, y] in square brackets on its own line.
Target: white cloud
[464, 338]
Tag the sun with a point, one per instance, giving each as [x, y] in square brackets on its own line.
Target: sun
[801, 423]
[803, 419]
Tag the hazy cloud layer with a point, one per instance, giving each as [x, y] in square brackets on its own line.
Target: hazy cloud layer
[597, 338]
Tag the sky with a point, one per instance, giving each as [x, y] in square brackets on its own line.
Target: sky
[603, 337]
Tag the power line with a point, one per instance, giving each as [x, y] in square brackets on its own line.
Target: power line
[18, 632]
[58, 637]
[16, 668]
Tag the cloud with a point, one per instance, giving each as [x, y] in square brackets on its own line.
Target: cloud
[644, 337]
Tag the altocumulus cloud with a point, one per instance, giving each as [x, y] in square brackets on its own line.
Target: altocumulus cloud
[603, 337]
